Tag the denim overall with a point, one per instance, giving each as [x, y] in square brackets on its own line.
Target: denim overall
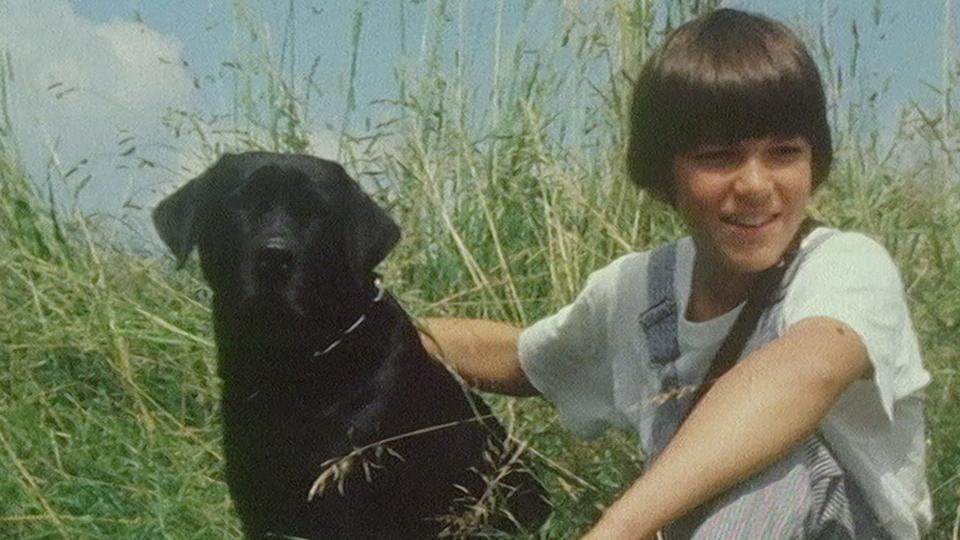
[805, 495]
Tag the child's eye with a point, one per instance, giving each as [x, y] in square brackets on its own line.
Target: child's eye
[787, 151]
[716, 157]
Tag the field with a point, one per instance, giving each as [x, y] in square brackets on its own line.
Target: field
[108, 399]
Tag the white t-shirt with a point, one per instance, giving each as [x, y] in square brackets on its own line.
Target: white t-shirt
[590, 359]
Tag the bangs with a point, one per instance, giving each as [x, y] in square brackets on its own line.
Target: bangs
[726, 115]
[742, 92]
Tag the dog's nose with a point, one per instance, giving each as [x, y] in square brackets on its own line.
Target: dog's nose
[274, 260]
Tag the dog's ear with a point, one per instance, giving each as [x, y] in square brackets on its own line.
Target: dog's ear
[178, 217]
[370, 232]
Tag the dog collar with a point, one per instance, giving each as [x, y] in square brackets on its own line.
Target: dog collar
[356, 324]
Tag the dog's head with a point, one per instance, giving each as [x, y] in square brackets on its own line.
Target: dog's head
[277, 232]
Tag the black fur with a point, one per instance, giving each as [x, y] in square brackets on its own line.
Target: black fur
[288, 244]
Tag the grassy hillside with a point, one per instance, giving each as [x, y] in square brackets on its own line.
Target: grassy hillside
[108, 398]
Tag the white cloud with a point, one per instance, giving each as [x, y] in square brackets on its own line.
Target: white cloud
[83, 90]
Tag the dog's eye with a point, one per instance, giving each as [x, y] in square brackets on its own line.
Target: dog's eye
[253, 204]
[254, 196]
[304, 209]
[241, 201]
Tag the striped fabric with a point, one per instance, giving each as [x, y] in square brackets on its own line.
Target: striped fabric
[805, 495]
[830, 509]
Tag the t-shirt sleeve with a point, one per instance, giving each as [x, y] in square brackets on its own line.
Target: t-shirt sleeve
[562, 356]
[852, 279]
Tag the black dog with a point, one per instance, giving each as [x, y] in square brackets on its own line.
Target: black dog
[317, 361]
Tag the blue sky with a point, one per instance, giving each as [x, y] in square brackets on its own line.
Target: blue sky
[907, 46]
[94, 77]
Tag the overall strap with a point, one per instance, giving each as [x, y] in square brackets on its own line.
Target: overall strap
[659, 321]
[659, 325]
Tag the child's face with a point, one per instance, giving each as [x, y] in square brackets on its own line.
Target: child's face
[744, 201]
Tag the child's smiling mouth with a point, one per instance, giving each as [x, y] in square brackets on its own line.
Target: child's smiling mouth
[749, 221]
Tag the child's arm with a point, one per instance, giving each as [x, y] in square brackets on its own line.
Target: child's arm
[483, 352]
[754, 414]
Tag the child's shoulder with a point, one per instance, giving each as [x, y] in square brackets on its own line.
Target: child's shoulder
[842, 240]
[831, 256]
[848, 248]
[628, 272]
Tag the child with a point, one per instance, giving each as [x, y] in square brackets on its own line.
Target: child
[817, 431]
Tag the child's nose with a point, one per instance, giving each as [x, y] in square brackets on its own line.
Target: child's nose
[753, 181]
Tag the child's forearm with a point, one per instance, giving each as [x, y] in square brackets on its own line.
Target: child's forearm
[483, 352]
[753, 415]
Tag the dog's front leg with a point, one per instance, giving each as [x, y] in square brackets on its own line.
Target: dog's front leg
[366, 424]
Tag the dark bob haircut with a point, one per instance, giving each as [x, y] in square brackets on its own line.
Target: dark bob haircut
[722, 78]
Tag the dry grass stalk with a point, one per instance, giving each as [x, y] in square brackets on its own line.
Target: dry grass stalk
[480, 509]
[369, 457]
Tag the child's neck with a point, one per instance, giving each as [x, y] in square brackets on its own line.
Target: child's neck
[715, 290]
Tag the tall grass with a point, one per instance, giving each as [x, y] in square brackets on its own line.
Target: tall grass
[508, 196]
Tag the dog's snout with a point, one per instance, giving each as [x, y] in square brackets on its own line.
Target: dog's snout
[275, 259]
